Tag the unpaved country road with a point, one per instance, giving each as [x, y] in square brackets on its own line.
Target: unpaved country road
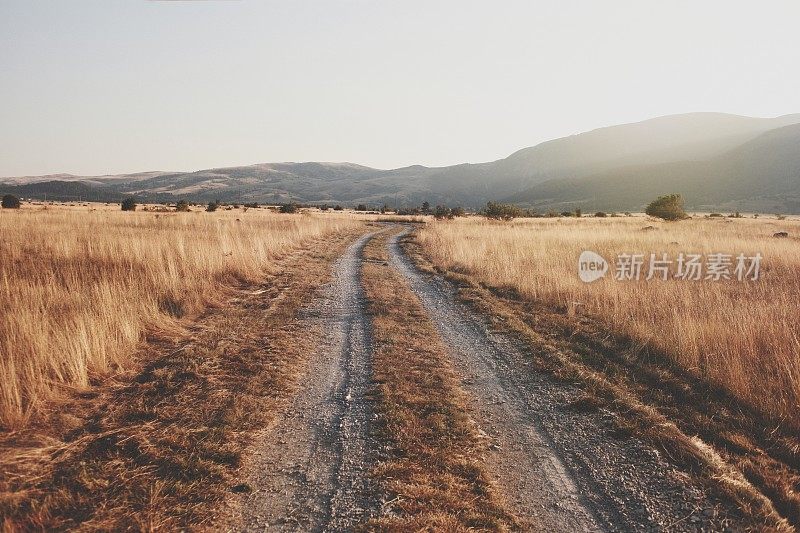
[312, 471]
[557, 467]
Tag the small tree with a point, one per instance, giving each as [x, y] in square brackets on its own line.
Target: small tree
[288, 208]
[129, 204]
[426, 208]
[337, 208]
[441, 212]
[457, 212]
[361, 207]
[182, 206]
[10, 202]
[498, 211]
[600, 214]
[212, 206]
[669, 207]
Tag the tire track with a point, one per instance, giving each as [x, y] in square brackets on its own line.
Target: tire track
[536, 483]
[557, 466]
[312, 471]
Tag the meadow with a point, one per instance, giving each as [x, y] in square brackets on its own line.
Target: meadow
[741, 335]
[82, 286]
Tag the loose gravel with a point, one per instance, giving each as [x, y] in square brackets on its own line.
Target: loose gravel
[557, 464]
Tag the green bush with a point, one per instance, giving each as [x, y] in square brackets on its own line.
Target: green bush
[669, 207]
[440, 212]
[288, 208]
[212, 206]
[10, 201]
[182, 206]
[129, 204]
[498, 211]
[600, 214]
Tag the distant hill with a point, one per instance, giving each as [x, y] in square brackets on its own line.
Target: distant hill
[595, 169]
[762, 174]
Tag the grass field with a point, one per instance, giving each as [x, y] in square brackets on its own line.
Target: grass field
[81, 286]
[743, 336]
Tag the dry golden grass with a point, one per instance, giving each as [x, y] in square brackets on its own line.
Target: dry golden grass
[159, 448]
[435, 472]
[81, 286]
[742, 336]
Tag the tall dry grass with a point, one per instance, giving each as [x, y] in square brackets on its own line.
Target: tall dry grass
[79, 288]
[744, 336]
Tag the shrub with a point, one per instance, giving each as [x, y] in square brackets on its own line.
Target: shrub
[10, 201]
[361, 207]
[212, 206]
[129, 204]
[669, 207]
[457, 212]
[440, 212]
[566, 213]
[578, 213]
[337, 208]
[600, 214]
[254, 205]
[498, 211]
[426, 208]
[324, 207]
[182, 206]
[288, 208]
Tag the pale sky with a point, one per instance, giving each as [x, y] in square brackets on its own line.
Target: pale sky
[96, 87]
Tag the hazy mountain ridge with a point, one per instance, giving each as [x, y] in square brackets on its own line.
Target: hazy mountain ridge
[762, 174]
[714, 159]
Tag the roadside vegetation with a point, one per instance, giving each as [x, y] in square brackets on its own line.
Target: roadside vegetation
[742, 336]
[79, 290]
[435, 470]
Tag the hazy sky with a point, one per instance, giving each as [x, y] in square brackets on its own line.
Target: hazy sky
[122, 86]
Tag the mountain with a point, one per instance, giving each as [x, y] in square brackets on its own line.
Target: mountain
[553, 173]
[762, 174]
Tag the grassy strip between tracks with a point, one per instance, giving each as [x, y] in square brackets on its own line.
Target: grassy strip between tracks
[434, 475]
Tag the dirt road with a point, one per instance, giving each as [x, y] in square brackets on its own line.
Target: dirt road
[557, 467]
[312, 470]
